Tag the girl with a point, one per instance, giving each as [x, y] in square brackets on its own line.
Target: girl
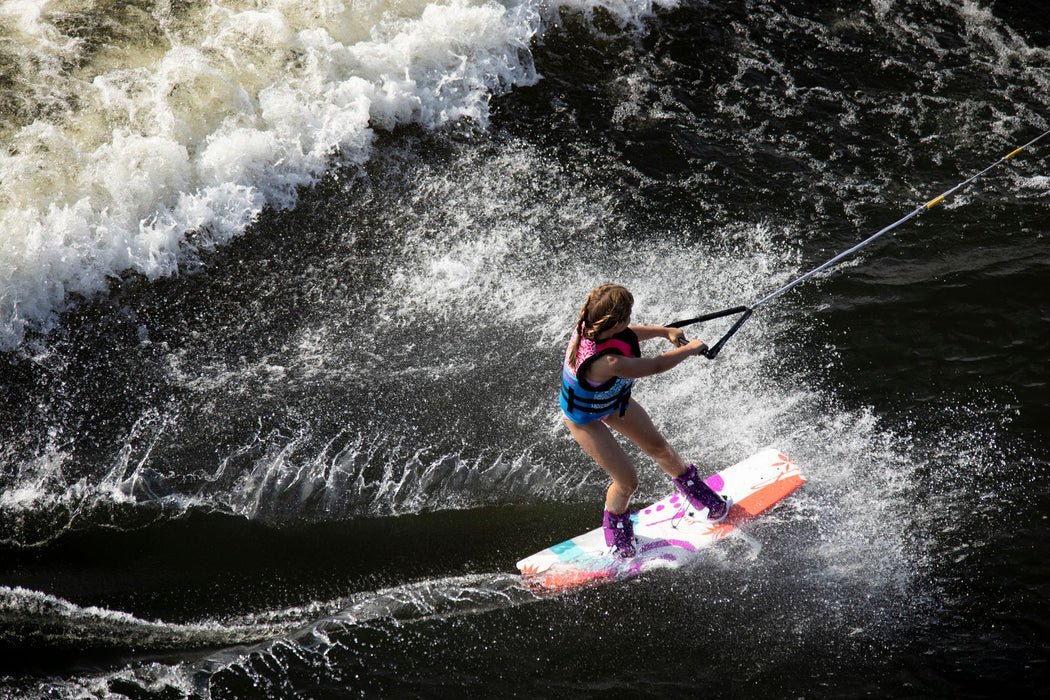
[601, 364]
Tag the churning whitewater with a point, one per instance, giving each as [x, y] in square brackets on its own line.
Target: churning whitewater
[134, 150]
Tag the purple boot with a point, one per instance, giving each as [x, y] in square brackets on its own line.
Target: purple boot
[619, 533]
[701, 496]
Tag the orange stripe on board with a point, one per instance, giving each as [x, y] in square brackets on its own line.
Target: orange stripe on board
[752, 505]
[565, 579]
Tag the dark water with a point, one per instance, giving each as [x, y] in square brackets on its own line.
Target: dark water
[305, 465]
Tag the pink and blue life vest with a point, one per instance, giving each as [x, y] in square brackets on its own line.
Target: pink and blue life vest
[580, 401]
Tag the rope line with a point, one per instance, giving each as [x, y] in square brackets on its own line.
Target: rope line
[713, 351]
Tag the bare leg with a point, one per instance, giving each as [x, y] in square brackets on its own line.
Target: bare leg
[636, 426]
[598, 441]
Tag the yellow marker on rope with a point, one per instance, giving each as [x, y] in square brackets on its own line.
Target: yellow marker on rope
[934, 202]
[1011, 155]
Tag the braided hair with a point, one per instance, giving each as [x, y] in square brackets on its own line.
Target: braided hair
[605, 307]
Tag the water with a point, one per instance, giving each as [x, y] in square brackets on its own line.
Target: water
[286, 286]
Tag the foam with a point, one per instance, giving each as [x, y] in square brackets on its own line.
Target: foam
[145, 163]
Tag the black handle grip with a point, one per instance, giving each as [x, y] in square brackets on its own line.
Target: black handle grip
[707, 317]
[683, 341]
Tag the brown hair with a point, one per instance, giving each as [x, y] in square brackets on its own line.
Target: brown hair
[606, 306]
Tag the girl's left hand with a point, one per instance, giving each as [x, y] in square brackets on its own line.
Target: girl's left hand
[676, 336]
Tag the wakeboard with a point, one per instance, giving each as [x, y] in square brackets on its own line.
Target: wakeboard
[670, 532]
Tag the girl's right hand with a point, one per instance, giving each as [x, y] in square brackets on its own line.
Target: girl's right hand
[697, 346]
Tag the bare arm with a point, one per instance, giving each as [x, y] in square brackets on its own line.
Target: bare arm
[609, 366]
[648, 332]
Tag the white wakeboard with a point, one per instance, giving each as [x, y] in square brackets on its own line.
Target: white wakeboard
[669, 531]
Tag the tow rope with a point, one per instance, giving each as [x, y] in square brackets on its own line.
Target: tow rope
[746, 311]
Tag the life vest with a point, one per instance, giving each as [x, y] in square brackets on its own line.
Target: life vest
[580, 401]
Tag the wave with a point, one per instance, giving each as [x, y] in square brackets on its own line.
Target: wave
[135, 141]
[40, 618]
[47, 621]
[33, 617]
